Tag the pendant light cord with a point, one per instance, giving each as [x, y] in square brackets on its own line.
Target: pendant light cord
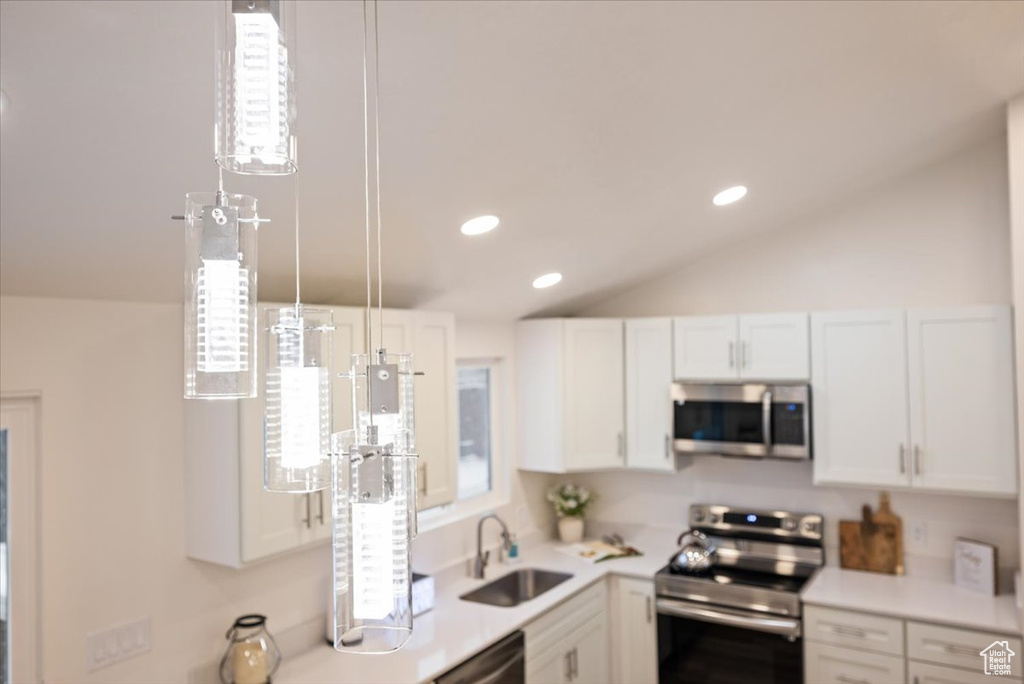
[298, 300]
[366, 186]
[376, 132]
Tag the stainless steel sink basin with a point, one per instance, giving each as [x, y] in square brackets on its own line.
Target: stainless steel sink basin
[516, 587]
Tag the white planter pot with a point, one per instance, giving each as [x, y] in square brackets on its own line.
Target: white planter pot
[570, 530]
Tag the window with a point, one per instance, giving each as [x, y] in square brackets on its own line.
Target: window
[475, 440]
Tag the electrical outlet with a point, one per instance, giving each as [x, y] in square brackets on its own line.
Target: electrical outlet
[116, 643]
[919, 534]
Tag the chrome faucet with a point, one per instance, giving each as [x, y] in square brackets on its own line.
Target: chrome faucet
[481, 556]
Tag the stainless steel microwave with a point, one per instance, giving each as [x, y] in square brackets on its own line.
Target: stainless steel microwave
[757, 421]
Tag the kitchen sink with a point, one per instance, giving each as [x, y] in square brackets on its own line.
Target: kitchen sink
[516, 587]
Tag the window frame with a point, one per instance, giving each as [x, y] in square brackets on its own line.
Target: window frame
[498, 496]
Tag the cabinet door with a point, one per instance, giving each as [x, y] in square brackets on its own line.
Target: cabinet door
[349, 339]
[551, 667]
[859, 398]
[825, 664]
[590, 653]
[594, 394]
[962, 399]
[925, 673]
[271, 522]
[648, 392]
[706, 348]
[635, 632]
[436, 407]
[774, 347]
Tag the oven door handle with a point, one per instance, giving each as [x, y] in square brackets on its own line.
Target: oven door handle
[723, 616]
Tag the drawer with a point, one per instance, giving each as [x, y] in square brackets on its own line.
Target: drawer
[958, 647]
[825, 664]
[926, 673]
[854, 630]
[567, 616]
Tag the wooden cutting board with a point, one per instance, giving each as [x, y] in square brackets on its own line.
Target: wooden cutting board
[871, 543]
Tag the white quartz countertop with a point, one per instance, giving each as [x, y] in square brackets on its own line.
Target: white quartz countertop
[456, 630]
[912, 598]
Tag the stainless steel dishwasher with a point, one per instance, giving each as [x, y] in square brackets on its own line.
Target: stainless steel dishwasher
[502, 663]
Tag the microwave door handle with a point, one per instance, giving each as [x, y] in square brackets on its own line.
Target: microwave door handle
[766, 420]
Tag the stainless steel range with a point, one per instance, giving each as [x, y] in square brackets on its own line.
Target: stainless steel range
[729, 601]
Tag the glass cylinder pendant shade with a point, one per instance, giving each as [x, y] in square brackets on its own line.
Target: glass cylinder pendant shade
[297, 396]
[255, 127]
[374, 493]
[220, 296]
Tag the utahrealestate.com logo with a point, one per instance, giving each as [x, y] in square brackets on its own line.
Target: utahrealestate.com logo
[997, 658]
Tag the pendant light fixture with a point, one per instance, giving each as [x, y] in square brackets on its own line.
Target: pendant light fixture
[220, 294]
[256, 116]
[297, 393]
[374, 478]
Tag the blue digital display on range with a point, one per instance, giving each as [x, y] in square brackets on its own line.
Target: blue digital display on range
[751, 518]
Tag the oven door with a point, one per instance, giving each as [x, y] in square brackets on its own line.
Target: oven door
[732, 420]
[705, 644]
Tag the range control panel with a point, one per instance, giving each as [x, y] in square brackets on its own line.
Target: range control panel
[778, 523]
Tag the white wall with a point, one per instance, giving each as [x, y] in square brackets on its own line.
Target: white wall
[935, 237]
[938, 236]
[1015, 153]
[112, 492]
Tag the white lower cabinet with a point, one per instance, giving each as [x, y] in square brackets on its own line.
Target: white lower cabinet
[634, 631]
[824, 664]
[847, 647]
[569, 643]
[926, 673]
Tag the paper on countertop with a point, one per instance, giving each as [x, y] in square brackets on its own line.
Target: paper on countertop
[596, 551]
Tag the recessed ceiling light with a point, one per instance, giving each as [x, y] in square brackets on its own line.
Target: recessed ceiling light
[480, 225]
[547, 280]
[730, 195]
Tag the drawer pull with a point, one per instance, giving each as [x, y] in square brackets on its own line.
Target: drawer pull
[850, 680]
[952, 649]
[848, 631]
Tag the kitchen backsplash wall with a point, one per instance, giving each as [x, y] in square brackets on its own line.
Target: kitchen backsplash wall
[659, 499]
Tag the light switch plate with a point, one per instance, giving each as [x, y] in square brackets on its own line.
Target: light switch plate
[117, 643]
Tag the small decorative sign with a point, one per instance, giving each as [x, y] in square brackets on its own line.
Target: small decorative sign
[974, 566]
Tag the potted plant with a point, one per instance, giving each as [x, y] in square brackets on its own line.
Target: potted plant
[571, 504]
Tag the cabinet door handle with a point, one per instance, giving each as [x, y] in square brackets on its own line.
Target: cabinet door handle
[917, 460]
[650, 614]
[622, 445]
[575, 663]
[423, 480]
[307, 521]
[903, 459]
[320, 506]
[568, 665]
[668, 447]
[850, 680]
[732, 354]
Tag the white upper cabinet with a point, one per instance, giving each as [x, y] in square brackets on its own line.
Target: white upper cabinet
[705, 347]
[231, 520]
[748, 347]
[962, 399]
[648, 391]
[921, 398]
[570, 394]
[859, 380]
[774, 347]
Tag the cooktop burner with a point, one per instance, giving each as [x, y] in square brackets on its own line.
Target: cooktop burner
[749, 578]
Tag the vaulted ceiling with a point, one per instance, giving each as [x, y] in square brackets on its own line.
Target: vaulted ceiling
[597, 131]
